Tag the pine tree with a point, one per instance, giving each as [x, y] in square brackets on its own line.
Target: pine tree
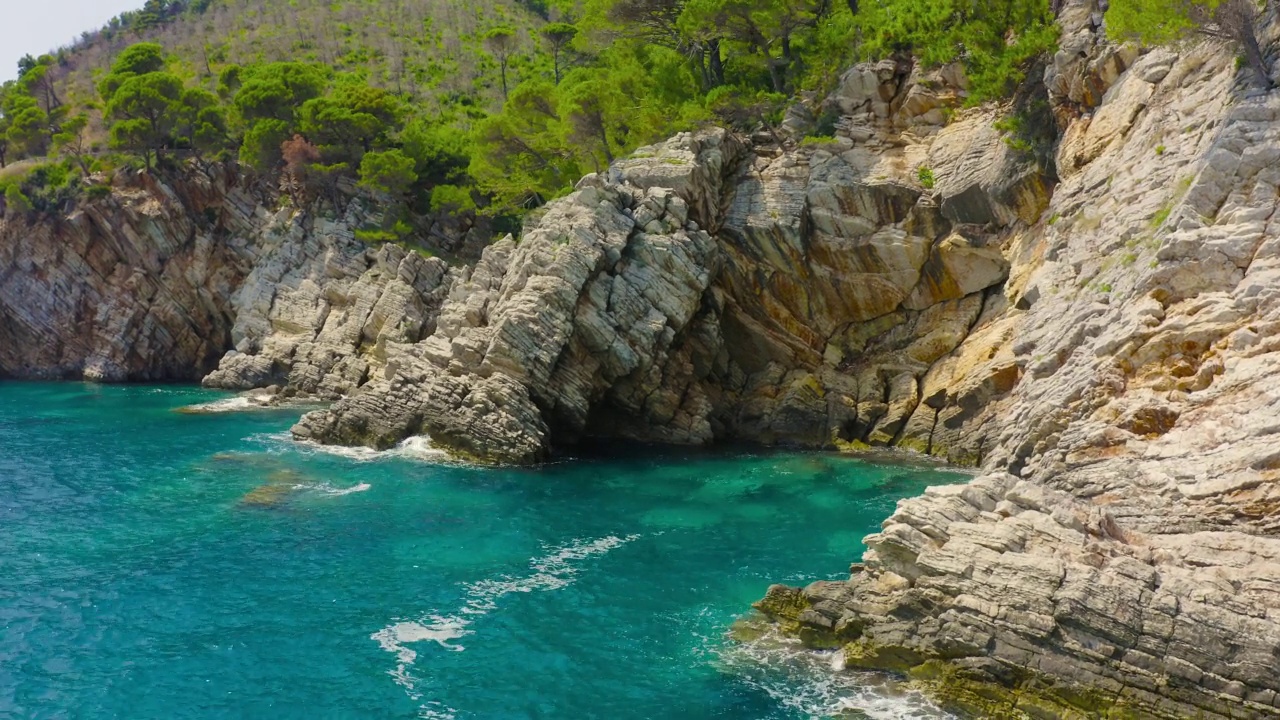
[501, 44]
[558, 36]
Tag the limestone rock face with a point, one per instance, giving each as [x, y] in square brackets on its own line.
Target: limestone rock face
[593, 323]
[135, 287]
[702, 290]
[321, 310]
[1020, 583]
[1115, 557]
[1084, 69]
[196, 279]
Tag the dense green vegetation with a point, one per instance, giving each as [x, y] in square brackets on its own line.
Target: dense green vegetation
[447, 105]
[1154, 22]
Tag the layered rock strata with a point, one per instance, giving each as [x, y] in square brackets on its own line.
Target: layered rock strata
[133, 287]
[198, 279]
[705, 289]
[1119, 557]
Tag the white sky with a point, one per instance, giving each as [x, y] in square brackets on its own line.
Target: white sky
[38, 26]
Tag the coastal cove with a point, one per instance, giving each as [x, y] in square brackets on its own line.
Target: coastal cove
[204, 565]
[1037, 240]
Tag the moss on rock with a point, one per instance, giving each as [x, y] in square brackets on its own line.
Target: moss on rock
[794, 615]
[1031, 696]
[914, 444]
[869, 655]
[851, 446]
[783, 604]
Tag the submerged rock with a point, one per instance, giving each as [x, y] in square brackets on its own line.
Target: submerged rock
[262, 399]
[282, 484]
[270, 496]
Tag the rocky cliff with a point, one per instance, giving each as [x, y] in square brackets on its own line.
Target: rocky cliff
[708, 288]
[204, 277]
[1119, 559]
[1081, 305]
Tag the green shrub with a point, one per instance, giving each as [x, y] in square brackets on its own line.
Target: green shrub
[389, 172]
[1030, 128]
[1161, 215]
[743, 107]
[1013, 128]
[45, 188]
[452, 199]
[818, 141]
[16, 203]
[97, 192]
[826, 123]
[997, 42]
[393, 230]
[375, 235]
[925, 176]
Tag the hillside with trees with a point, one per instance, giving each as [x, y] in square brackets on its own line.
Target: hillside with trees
[492, 107]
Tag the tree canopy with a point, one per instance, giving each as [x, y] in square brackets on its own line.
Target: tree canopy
[557, 36]
[1158, 22]
[540, 102]
[151, 111]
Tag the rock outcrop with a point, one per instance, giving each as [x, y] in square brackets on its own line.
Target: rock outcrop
[1118, 558]
[705, 289]
[197, 279]
[593, 321]
[134, 287]
[320, 310]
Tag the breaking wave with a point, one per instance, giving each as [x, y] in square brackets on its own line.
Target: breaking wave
[239, 403]
[414, 448]
[816, 684]
[327, 489]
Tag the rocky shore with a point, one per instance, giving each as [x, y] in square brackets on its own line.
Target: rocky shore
[1119, 557]
[1088, 313]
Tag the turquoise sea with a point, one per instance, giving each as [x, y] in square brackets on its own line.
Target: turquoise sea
[159, 564]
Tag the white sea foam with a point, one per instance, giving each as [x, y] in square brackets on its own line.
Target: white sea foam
[414, 448]
[419, 447]
[441, 631]
[816, 684]
[308, 447]
[436, 711]
[327, 489]
[554, 570]
[239, 403]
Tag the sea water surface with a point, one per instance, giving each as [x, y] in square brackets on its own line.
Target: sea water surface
[158, 564]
